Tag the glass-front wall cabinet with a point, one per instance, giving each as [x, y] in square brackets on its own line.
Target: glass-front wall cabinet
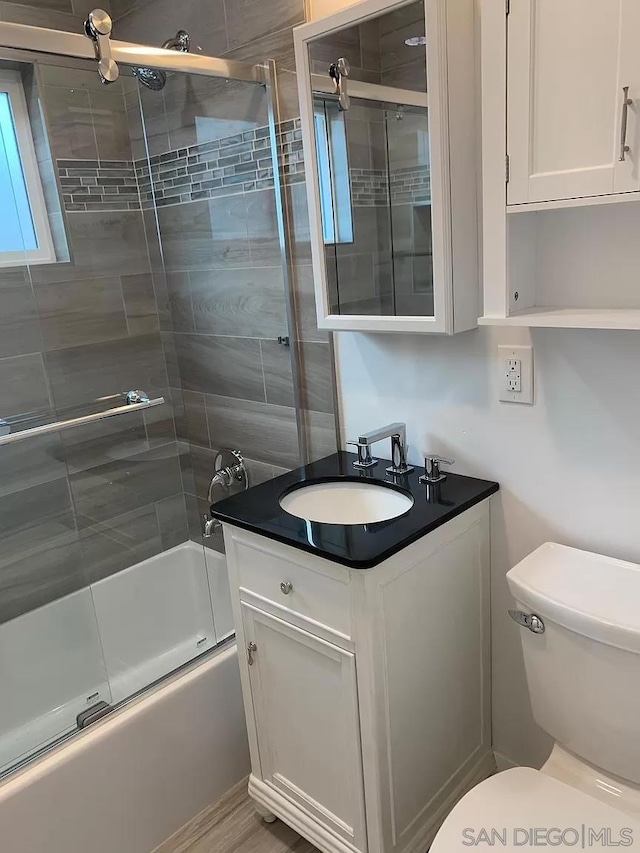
[377, 150]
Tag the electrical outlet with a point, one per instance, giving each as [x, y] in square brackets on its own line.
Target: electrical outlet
[515, 366]
[514, 374]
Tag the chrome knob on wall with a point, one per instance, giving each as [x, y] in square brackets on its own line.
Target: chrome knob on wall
[230, 470]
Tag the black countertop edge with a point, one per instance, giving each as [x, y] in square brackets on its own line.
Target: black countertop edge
[354, 546]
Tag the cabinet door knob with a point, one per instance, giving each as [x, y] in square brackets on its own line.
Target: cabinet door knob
[251, 649]
[286, 587]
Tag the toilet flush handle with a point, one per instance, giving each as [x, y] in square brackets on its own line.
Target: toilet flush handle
[528, 620]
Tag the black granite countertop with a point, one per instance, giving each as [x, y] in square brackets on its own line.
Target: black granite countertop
[358, 546]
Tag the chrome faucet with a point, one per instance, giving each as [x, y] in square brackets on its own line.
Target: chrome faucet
[397, 432]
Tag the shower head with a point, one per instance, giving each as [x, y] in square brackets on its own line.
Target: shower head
[152, 78]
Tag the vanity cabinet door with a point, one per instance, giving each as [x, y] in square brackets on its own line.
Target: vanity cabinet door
[568, 63]
[305, 703]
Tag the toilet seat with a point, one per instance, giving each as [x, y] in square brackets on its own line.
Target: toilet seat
[505, 811]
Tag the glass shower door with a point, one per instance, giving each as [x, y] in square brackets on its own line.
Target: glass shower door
[101, 590]
[210, 192]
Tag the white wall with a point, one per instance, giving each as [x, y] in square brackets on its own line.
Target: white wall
[569, 466]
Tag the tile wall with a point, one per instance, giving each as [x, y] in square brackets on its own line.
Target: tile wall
[224, 307]
[80, 505]
[186, 302]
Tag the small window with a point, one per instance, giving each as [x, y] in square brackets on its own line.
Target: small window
[333, 173]
[25, 235]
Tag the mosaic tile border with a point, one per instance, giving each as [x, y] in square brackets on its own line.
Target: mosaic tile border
[240, 163]
[98, 185]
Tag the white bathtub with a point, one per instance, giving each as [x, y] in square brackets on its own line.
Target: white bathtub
[131, 780]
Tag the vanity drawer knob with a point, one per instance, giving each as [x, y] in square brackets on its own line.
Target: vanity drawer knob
[286, 587]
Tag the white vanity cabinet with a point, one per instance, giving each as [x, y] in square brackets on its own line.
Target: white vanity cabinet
[573, 105]
[366, 692]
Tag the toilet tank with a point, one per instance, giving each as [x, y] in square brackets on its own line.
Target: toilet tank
[583, 671]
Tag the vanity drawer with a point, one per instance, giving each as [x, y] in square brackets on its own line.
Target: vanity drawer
[317, 592]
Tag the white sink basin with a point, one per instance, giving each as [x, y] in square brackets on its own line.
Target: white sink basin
[346, 502]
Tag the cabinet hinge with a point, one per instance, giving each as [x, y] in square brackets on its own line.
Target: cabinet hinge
[506, 169]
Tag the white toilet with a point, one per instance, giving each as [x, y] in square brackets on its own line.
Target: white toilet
[582, 659]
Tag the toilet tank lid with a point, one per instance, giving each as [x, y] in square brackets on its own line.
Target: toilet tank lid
[593, 595]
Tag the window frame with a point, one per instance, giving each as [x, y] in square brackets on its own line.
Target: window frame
[11, 83]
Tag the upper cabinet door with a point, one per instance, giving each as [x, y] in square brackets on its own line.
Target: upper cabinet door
[568, 61]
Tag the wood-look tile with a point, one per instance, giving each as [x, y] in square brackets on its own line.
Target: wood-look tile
[262, 224]
[180, 312]
[34, 516]
[102, 245]
[172, 521]
[261, 431]
[81, 374]
[24, 385]
[111, 546]
[244, 302]
[109, 115]
[205, 22]
[317, 376]
[205, 234]
[321, 434]
[231, 825]
[246, 21]
[81, 312]
[195, 419]
[278, 379]
[53, 570]
[30, 463]
[140, 303]
[71, 131]
[107, 490]
[220, 365]
[19, 326]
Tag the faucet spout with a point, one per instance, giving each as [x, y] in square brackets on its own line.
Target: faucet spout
[397, 432]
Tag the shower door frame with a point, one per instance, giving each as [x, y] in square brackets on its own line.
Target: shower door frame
[22, 41]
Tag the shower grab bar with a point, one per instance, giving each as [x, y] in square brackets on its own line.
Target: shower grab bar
[58, 426]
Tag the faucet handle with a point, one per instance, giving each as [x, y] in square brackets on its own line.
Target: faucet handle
[364, 455]
[432, 472]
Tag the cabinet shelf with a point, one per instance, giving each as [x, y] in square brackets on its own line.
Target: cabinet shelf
[569, 318]
[562, 203]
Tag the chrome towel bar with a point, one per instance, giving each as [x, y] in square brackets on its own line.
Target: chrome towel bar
[58, 426]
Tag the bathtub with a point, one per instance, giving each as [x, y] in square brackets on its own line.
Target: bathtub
[131, 780]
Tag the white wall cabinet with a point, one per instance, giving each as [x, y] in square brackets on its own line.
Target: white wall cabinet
[409, 259]
[571, 66]
[366, 693]
[559, 222]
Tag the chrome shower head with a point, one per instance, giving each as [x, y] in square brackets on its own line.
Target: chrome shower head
[152, 78]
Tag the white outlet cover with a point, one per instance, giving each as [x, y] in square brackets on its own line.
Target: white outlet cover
[524, 354]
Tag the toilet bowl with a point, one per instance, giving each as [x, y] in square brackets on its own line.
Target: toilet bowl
[582, 661]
